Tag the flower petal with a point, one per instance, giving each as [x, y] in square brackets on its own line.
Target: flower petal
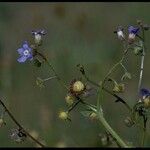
[25, 45]
[20, 51]
[133, 30]
[144, 92]
[22, 59]
[30, 57]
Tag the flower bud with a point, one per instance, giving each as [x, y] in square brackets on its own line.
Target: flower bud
[69, 99]
[38, 39]
[119, 88]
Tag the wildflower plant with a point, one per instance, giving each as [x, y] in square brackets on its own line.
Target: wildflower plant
[81, 88]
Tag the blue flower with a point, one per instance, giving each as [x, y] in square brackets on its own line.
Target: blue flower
[25, 52]
[144, 92]
[133, 30]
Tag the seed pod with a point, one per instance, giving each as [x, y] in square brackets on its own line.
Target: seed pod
[63, 115]
[147, 102]
[69, 99]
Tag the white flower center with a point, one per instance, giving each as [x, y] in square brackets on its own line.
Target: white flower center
[26, 52]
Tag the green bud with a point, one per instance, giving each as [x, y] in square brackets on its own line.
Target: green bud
[81, 67]
[40, 82]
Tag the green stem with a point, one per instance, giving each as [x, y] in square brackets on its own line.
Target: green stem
[58, 78]
[112, 132]
[52, 68]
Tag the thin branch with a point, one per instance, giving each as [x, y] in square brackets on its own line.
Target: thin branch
[119, 99]
[52, 68]
[19, 125]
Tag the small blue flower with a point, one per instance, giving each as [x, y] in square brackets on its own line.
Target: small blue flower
[144, 92]
[133, 30]
[25, 52]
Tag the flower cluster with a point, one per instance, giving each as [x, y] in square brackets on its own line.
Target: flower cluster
[26, 52]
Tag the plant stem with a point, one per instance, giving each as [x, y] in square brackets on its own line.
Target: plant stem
[109, 92]
[49, 78]
[19, 125]
[111, 131]
[52, 68]
[141, 69]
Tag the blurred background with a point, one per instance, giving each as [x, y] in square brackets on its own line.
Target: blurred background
[76, 33]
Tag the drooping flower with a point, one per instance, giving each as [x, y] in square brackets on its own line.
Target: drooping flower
[38, 35]
[144, 92]
[25, 52]
[120, 33]
[133, 31]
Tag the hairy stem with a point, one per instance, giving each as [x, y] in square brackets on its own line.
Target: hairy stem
[19, 125]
